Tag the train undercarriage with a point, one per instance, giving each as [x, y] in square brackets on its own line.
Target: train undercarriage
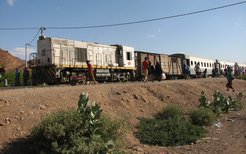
[73, 76]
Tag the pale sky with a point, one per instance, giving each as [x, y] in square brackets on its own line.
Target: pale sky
[218, 34]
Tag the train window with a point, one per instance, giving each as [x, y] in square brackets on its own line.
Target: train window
[129, 55]
[210, 65]
[43, 52]
[207, 65]
[80, 54]
[195, 62]
[204, 64]
[191, 62]
[108, 58]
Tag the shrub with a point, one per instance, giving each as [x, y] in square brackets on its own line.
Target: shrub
[76, 131]
[169, 132]
[170, 111]
[203, 116]
[221, 104]
[243, 77]
[11, 77]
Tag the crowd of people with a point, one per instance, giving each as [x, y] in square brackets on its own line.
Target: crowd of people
[17, 78]
[26, 77]
[151, 71]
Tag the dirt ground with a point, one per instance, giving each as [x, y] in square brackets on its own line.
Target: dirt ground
[22, 108]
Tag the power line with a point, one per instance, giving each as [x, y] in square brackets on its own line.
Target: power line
[20, 28]
[149, 20]
[133, 22]
[34, 37]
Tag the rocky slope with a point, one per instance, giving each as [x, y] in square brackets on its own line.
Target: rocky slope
[22, 108]
[9, 61]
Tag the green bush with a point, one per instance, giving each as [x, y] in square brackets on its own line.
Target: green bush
[169, 132]
[202, 116]
[221, 104]
[10, 76]
[170, 111]
[243, 77]
[76, 131]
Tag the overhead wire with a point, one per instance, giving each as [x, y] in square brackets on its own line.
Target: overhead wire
[149, 20]
[133, 22]
[20, 28]
[29, 43]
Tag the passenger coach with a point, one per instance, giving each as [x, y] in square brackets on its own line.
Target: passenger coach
[192, 61]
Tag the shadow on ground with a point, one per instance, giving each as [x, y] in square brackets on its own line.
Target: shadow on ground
[18, 146]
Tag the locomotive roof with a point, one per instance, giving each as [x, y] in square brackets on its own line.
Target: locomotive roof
[62, 39]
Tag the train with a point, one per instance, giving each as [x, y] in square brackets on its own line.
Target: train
[60, 60]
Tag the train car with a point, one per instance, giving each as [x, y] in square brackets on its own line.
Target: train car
[171, 65]
[59, 60]
[225, 64]
[191, 61]
[242, 68]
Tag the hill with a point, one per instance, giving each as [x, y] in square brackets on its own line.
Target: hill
[9, 61]
[22, 108]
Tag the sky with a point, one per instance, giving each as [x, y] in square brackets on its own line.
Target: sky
[218, 34]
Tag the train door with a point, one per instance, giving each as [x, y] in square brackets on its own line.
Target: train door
[139, 58]
[128, 57]
[119, 55]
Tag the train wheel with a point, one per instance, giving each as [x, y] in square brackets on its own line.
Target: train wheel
[72, 82]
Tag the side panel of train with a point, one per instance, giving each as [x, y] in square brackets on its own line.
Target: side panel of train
[191, 61]
[59, 59]
[225, 64]
[204, 63]
[170, 65]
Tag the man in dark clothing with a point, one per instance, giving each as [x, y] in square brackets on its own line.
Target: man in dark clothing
[25, 76]
[229, 79]
[158, 71]
[186, 71]
[204, 73]
[151, 71]
[17, 77]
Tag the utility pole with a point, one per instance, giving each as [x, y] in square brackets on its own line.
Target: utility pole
[26, 45]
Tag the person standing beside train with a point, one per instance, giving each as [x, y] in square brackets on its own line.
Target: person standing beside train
[25, 76]
[90, 73]
[158, 71]
[151, 72]
[229, 77]
[197, 70]
[186, 70]
[145, 65]
[17, 77]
